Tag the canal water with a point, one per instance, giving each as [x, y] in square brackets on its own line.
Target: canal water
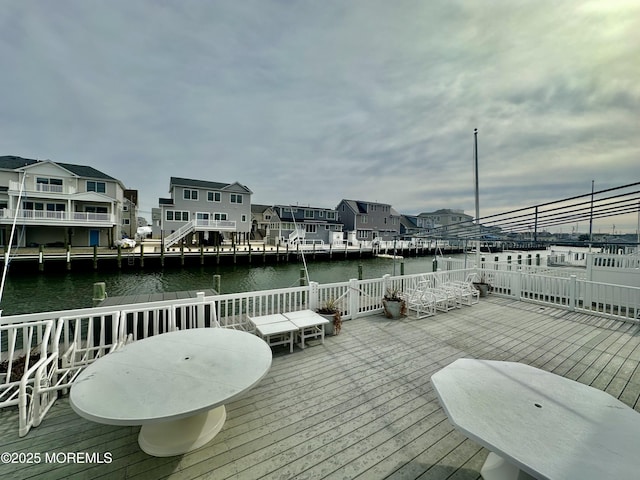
[61, 291]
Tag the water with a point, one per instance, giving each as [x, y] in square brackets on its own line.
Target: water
[62, 291]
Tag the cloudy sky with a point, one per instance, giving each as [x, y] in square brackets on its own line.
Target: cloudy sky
[309, 102]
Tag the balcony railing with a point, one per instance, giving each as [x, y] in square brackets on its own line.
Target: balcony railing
[31, 186]
[46, 217]
[219, 225]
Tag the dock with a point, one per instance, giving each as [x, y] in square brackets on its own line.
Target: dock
[361, 406]
[151, 256]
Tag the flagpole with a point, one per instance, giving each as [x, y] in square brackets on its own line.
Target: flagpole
[475, 150]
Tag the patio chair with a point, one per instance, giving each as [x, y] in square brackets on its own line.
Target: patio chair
[22, 338]
[422, 301]
[83, 340]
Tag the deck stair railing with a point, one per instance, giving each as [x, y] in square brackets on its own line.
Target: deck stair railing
[179, 234]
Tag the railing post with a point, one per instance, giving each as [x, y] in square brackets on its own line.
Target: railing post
[516, 287]
[572, 293]
[353, 298]
[385, 282]
[200, 300]
[314, 295]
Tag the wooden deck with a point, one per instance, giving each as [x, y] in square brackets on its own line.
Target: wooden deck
[359, 406]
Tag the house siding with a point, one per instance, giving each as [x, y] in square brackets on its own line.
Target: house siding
[55, 207]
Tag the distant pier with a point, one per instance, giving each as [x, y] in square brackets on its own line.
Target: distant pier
[151, 256]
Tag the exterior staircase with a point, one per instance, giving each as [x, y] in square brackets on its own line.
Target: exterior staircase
[199, 225]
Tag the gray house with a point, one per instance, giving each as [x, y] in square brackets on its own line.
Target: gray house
[58, 203]
[368, 221]
[203, 212]
[305, 225]
[449, 222]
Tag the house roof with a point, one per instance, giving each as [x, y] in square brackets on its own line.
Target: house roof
[12, 162]
[205, 184]
[409, 220]
[360, 206]
[256, 208]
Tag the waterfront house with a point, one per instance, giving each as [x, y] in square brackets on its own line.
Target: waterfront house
[262, 216]
[368, 221]
[415, 226]
[59, 203]
[305, 225]
[204, 212]
[448, 221]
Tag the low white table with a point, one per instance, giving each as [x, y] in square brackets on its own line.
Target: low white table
[175, 385]
[275, 329]
[309, 323]
[538, 424]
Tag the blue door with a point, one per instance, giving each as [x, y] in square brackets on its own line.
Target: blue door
[94, 237]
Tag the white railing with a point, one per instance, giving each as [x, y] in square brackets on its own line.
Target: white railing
[32, 186]
[179, 234]
[49, 217]
[218, 225]
[92, 332]
[198, 224]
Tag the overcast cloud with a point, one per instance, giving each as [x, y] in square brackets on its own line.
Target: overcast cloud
[309, 102]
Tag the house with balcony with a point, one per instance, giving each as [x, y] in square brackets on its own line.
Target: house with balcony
[58, 204]
[368, 221]
[203, 213]
[296, 225]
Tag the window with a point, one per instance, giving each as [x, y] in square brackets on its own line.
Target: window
[321, 213]
[236, 198]
[220, 216]
[214, 196]
[93, 209]
[177, 216]
[311, 228]
[243, 218]
[125, 221]
[308, 214]
[364, 219]
[331, 215]
[125, 208]
[99, 187]
[188, 194]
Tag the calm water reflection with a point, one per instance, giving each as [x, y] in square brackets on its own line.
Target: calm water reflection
[61, 291]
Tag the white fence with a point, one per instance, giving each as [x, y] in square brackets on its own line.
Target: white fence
[29, 343]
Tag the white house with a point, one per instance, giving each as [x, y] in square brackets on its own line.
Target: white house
[57, 203]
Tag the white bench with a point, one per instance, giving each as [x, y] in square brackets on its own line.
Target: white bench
[275, 329]
[309, 323]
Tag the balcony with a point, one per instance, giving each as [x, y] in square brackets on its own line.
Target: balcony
[205, 224]
[44, 188]
[52, 218]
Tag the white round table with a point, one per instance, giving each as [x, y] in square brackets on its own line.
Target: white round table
[175, 385]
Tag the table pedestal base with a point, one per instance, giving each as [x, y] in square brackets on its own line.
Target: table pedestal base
[497, 468]
[176, 437]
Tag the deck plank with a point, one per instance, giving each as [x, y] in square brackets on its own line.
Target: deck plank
[359, 406]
